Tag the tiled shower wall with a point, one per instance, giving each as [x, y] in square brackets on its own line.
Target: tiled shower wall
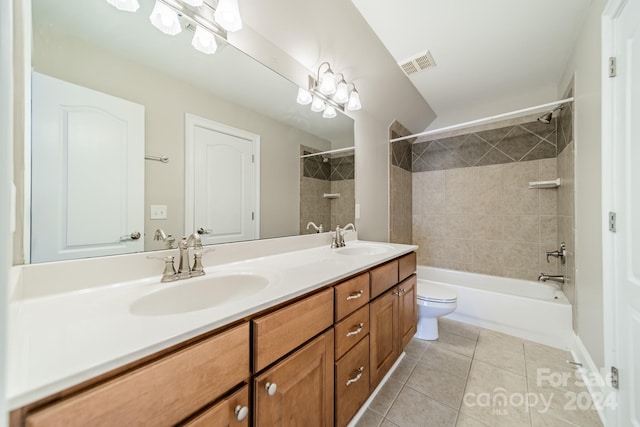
[319, 177]
[400, 213]
[472, 208]
[566, 195]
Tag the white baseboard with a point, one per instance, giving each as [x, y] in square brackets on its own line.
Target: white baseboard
[364, 407]
[591, 375]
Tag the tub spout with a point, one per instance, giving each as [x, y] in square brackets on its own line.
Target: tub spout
[555, 278]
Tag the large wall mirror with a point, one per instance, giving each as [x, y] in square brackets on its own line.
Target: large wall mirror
[208, 126]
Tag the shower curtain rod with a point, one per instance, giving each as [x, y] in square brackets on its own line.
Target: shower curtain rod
[486, 119]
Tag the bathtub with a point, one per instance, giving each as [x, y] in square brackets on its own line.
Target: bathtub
[531, 310]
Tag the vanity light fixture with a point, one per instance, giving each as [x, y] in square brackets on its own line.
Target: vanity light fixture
[165, 19]
[207, 21]
[329, 92]
[204, 41]
[126, 5]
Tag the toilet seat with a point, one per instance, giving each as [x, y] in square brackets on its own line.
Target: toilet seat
[435, 293]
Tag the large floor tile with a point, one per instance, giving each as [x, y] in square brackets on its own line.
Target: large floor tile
[416, 348]
[444, 387]
[501, 342]
[414, 409]
[455, 343]
[369, 419]
[501, 358]
[387, 423]
[458, 328]
[467, 421]
[535, 351]
[404, 369]
[569, 406]
[386, 396]
[545, 420]
[447, 361]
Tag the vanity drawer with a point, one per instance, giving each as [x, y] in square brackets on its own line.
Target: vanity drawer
[352, 382]
[406, 266]
[161, 393]
[383, 277]
[351, 295]
[276, 334]
[351, 330]
[223, 413]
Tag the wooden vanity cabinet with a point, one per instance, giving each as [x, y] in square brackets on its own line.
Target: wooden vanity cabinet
[164, 392]
[232, 411]
[407, 310]
[298, 391]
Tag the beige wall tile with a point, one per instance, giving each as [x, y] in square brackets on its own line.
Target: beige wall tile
[488, 253]
[459, 202]
[522, 228]
[521, 256]
[519, 174]
[458, 250]
[548, 201]
[459, 180]
[429, 182]
[459, 226]
[520, 201]
[487, 227]
[547, 169]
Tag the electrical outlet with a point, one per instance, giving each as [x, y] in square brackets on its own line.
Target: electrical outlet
[158, 212]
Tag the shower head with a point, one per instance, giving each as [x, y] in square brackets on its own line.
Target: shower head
[546, 117]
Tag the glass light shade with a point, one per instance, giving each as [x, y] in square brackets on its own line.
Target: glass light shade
[126, 5]
[342, 93]
[328, 83]
[165, 19]
[194, 3]
[228, 15]
[204, 41]
[354, 101]
[304, 97]
[329, 112]
[317, 105]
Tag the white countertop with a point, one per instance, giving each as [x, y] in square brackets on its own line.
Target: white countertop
[62, 339]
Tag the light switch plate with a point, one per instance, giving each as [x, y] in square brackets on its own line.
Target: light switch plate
[357, 211]
[158, 212]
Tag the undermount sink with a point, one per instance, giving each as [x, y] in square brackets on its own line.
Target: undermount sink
[189, 295]
[363, 250]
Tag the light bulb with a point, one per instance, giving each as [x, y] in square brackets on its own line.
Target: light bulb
[328, 83]
[227, 14]
[354, 101]
[317, 105]
[194, 3]
[126, 5]
[329, 112]
[165, 19]
[304, 97]
[342, 93]
[204, 41]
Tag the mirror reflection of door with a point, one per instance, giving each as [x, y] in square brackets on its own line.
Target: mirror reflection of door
[222, 188]
[88, 172]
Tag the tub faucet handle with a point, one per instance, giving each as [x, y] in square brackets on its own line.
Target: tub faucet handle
[560, 253]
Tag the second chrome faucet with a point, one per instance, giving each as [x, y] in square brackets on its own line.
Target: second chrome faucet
[338, 237]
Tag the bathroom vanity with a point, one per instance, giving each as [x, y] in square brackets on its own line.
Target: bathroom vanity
[308, 349]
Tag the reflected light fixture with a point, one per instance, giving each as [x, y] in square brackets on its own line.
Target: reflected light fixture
[207, 21]
[165, 19]
[204, 41]
[228, 15]
[329, 92]
[126, 5]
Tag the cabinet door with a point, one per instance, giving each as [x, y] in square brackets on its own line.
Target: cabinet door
[383, 332]
[232, 411]
[407, 291]
[352, 382]
[299, 390]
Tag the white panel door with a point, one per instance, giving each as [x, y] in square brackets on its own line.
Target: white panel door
[224, 182]
[627, 196]
[87, 172]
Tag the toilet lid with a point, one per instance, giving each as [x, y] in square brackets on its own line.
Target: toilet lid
[435, 293]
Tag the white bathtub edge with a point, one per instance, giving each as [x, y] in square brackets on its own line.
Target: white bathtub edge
[592, 376]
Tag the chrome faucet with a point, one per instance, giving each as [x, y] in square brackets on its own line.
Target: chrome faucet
[555, 278]
[319, 229]
[560, 253]
[184, 269]
[338, 238]
[168, 239]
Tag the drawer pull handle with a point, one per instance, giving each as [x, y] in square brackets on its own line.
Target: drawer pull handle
[271, 388]
[355, 295]
[357, 331]
[241, 412]
[359, 371]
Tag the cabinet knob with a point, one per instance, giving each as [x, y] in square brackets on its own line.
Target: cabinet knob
[357, 330]
[359, 372]
[271, 388]
[355, 295]
[241, 412]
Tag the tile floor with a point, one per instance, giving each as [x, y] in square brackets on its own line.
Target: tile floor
[474, 377]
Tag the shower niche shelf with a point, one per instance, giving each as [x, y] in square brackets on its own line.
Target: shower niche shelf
[553, 183]
[331, 195]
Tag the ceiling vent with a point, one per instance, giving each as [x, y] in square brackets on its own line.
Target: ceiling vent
[420, 62]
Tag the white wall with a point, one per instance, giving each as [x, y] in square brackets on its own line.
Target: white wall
[6, 172]
[585, 65]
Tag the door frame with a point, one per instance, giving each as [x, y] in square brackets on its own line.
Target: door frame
[608, 147]
[190, 121]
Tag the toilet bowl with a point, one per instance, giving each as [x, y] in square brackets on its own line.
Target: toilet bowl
[433, 301]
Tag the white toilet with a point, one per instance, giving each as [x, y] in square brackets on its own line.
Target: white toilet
[433, 301]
